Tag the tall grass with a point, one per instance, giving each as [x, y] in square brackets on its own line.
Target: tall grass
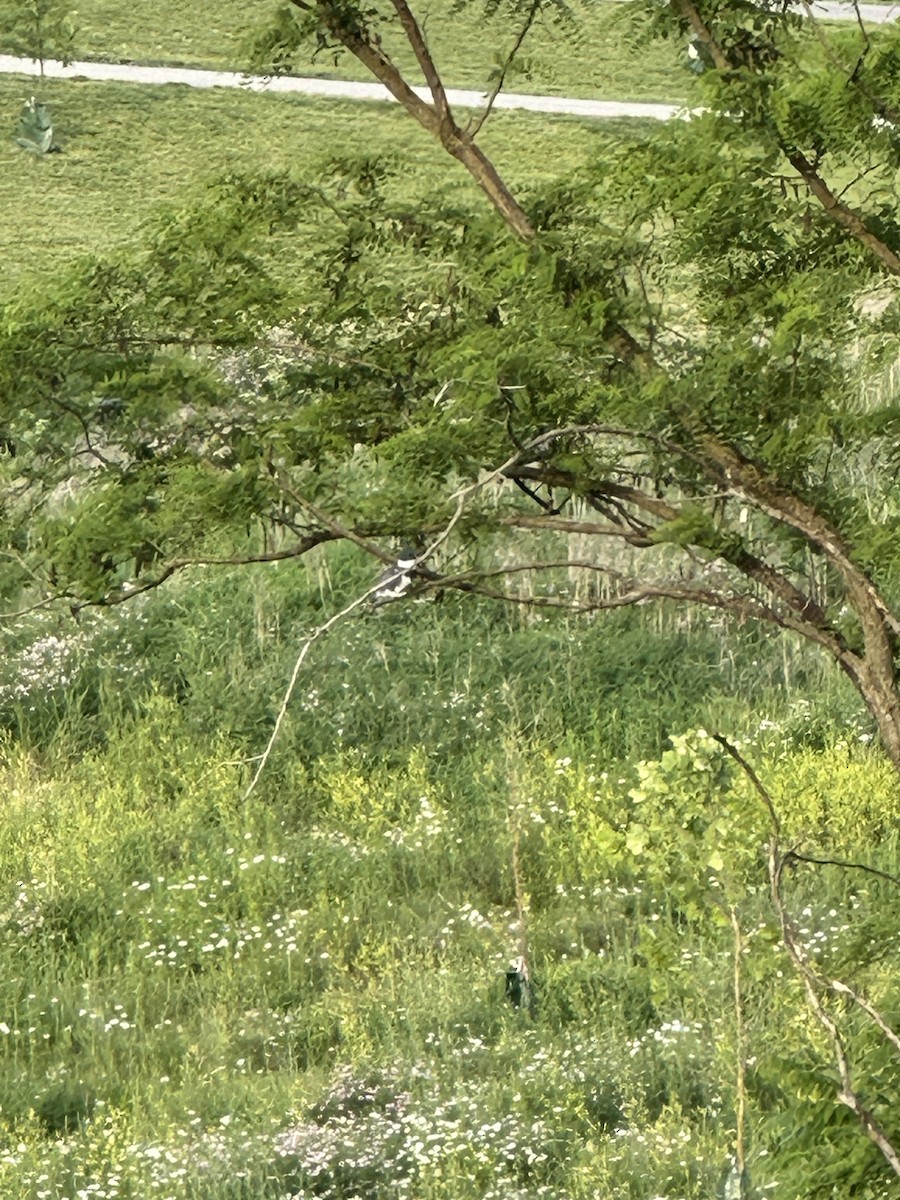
[303, 993]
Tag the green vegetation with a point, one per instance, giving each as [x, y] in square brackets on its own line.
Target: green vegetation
[302, 993]
[268, 850]
[129, 149]
[584, 57]
[37, 29]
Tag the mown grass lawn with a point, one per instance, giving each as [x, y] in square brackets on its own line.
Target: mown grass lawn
[129, 148]
[585, 56]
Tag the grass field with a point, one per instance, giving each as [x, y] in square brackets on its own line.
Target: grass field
[126, 149]
[302, 994]
[585, 57]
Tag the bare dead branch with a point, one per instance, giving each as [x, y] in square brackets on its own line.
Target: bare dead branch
[335, 527]
[733, 751]
[869, 1009]
[811, 983]
[796, 856]
[847, 1094]
[308, 643]
[123, 595]
[740, 1083]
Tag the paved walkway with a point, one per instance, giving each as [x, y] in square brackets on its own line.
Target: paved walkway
[333, 88]
[345, 89]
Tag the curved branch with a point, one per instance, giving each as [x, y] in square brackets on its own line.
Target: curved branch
[416, 40]
[811, 983]
[845, 216]
[748, 479]
[124, 594]
[847, 1094]
[750, 565]
[476, 124]
[437, 119]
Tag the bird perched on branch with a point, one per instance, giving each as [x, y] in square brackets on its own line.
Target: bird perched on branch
[395, 580]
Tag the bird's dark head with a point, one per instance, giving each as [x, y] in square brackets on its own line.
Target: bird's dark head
[406, 557]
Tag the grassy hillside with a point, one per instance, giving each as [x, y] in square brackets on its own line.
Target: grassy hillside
[127, 149]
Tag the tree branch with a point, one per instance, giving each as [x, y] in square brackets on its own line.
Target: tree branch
[475, 125]
[124, 594]
[437, 120]
[796, 856]
[835, 208]
[846, 1094]
[558, 524]
[704, 34]
[335, 527]
[423, 57]
[841, 212]
[879, 625]
[738, 556]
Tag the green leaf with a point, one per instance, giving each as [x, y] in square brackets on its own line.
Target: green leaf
[636, 840]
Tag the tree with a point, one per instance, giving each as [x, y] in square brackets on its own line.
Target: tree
[660, 356]
[38, 29]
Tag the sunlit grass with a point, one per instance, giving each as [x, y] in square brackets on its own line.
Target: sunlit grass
[587, 56]
[303, 994]
[127, 149]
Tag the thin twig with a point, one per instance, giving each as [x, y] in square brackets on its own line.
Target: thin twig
[754, 779]
[334, 526]
[518, 884]
[811, 983]
[474, 127]
[179, 564]
[847, 1094]
[795, 856]
[318, 632]
[740, 1154]
[844, 989]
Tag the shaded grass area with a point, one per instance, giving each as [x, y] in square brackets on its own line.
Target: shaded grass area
[126, 149]
[586, 56]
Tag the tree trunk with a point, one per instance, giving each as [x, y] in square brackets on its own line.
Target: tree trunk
[879, 692]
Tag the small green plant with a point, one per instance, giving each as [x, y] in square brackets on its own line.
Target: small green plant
[35, 129]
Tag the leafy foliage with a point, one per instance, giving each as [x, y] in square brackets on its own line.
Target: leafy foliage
[38, 29]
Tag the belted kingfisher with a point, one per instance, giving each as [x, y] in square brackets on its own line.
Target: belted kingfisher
[395, 580]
